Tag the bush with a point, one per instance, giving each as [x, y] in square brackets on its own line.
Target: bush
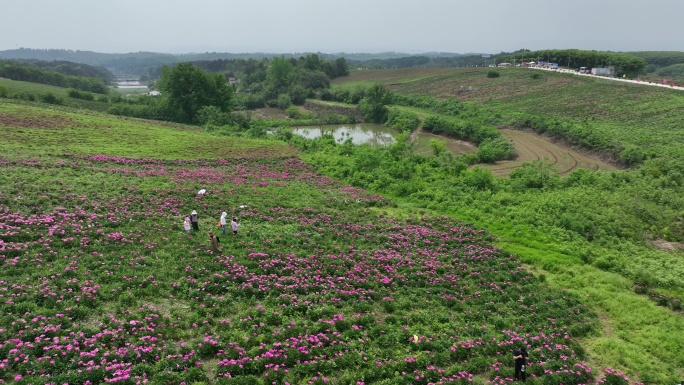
[50, 98]
[535, 174]
[3, 92]
[493, 74]
[536, 76]
[479, 178]
[83, 95]
[293, 112]
[495, 149]
[283, 101]
[405, 121]
[212, 115]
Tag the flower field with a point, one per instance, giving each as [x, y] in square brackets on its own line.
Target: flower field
[323, 284]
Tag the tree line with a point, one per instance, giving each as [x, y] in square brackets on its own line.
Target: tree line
[35, 74]
[624, 63]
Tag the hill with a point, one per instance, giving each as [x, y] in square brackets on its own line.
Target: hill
[625, 113]
[138, 63]
[324, 283]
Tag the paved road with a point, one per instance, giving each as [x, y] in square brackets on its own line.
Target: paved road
[613, 79]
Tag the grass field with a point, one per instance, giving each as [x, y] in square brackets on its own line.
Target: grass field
[24, 89]
[56, 130]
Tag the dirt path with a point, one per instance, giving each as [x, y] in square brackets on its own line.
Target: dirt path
[532, 147]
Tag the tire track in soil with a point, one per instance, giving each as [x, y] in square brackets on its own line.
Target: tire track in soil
[531, 147]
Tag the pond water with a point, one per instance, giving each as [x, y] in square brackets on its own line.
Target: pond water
[130, 85]
[361, 133]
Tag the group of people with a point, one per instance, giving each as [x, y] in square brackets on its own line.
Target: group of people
[192, 222]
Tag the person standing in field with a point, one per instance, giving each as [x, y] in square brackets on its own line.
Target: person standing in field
[194, 220]
[223, 222]
[186, 224]
[520, 357]
[234, 225]
[213, 239]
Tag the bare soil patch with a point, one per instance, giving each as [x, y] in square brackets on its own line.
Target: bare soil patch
[46, 121]
[668, 246]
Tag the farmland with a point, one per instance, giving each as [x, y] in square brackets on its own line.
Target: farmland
[324, 284]
[328, 283]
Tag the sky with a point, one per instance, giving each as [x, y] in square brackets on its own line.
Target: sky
[334, 26]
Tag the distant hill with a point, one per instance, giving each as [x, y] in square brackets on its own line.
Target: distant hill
[70, 68]
[138, 63]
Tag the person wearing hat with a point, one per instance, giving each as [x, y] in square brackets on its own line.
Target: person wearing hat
[194, 220]
[223, 222]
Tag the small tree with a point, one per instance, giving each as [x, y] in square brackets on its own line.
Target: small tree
[373, 105]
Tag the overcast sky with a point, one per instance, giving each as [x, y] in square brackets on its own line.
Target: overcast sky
[331, 26]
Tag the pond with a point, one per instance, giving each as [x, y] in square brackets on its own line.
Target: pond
[360, 133]
[130, 85]
[379, 135]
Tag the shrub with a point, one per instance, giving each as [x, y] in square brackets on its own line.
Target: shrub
[50, 98]
[293, 112]
[3, 92]
[283, 101]
[401, 120]
[83, 95]
[479, 178]
[536, 76]
[495, 149]
[535, 174]
[493, 74]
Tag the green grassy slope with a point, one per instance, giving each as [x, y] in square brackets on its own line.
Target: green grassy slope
[30, 129]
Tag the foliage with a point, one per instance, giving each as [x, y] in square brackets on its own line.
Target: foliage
[72, 69]
[74, 93]
[402, 120]
[50, 98]
[493, 74]
[675, 71]
[625, 63]
[374, 103]
[534, 175]
[661, 58]
[187, 89]
[438, 146]
[492, 149]
[32, 73]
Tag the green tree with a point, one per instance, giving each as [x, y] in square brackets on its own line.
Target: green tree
[186, 89]
[280, 74]
[340, 68]
[374, 104]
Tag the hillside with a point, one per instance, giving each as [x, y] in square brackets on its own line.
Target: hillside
[324, 283]
[626, 113]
